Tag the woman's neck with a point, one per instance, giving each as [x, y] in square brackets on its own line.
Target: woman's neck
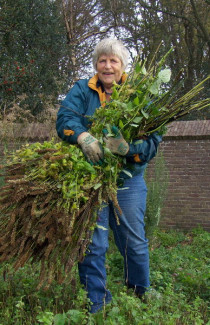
[108, 92]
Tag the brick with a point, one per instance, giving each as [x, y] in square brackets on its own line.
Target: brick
[187, 161]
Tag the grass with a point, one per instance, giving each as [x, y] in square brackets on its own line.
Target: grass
[179, 273]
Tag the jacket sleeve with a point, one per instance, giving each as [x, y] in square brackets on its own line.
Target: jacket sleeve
[144, 151]
[71, 120]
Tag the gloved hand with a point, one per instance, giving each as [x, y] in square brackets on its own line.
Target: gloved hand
[91, 147]
[116, 144]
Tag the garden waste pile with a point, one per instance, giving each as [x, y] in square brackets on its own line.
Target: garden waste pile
[49, 203]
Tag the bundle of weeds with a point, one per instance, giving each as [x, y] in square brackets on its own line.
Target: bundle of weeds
[148, 101]
[49, 204]
[48, 207]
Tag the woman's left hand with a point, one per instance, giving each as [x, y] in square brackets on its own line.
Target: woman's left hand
[116, 143]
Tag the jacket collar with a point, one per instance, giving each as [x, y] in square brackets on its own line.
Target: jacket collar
[95, 84]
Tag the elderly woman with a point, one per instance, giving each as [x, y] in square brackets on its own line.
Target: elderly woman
[110, 58]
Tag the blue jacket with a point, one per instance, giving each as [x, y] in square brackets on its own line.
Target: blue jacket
[72, 119]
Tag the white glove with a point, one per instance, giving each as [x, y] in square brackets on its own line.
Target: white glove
[91, 147]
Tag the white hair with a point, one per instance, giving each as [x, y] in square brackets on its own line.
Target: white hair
[110, 46]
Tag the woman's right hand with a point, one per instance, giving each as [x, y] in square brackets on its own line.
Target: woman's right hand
[91, 147]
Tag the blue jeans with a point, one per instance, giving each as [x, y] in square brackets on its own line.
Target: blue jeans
[129, 238]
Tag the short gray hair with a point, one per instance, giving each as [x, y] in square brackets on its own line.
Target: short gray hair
[110, 46]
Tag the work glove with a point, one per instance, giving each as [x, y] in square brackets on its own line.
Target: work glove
[116, 143]
[91, 148]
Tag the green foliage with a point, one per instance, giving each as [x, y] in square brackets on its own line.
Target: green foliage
[157, 188]
[49, 204]
[45, 318]
[72, 316]
[32, 53]
[189, 270]
[179, 273]
[146, 102]
[2, 177]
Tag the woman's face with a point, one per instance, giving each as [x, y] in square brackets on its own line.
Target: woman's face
[109, 68]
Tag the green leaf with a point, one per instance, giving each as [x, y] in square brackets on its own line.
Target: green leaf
[130, 106]
[155, 110]
[136, 101]
[137, 67]
[60, 319]
[146, 115]
[127, 173]
[108, 127]
[101, 227]
[143, 70]
[138, 142]
[165, 75]
[115, 94]
[120, 124]
[123, 188]
[137, 119]
[126, 134]
[87, 166]
[164, 109]
[107, 151]
[76, 316]
[96, 186]
[120, 104]
[154, 88]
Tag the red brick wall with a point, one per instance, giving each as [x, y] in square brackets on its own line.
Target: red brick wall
[186, 151]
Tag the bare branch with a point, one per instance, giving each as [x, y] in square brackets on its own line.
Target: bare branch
[204, 31]
[87, 35]
[68, 29]
[176, 15]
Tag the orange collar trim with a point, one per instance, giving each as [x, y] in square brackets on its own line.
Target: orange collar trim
[102, 96]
